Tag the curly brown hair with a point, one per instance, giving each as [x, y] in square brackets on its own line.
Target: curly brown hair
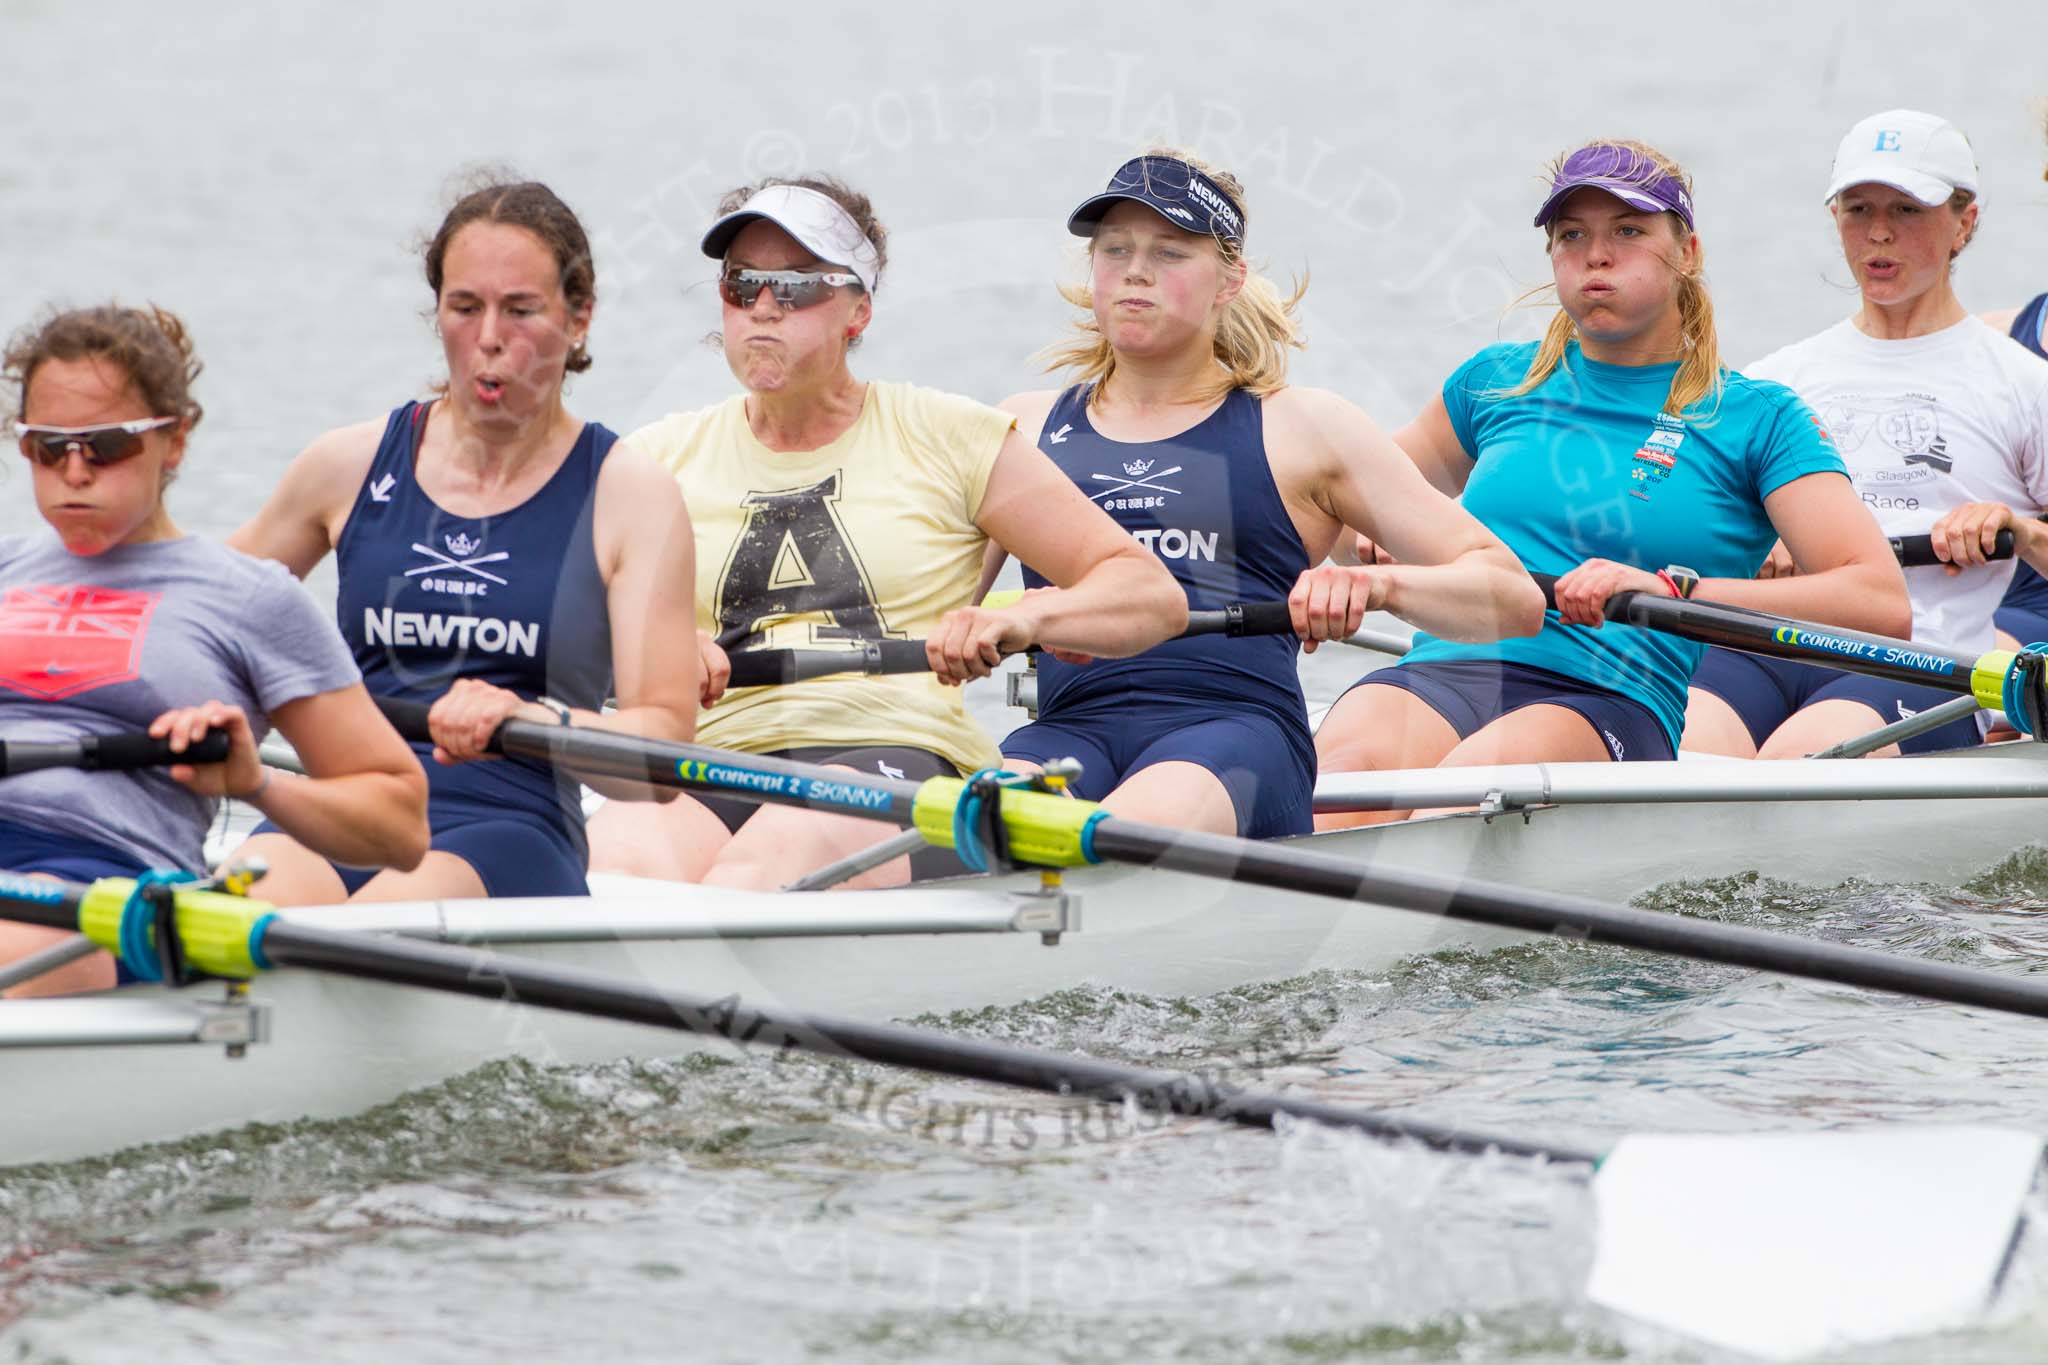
[150, 345]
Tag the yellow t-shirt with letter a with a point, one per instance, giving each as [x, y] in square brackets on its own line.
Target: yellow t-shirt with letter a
[869, 537]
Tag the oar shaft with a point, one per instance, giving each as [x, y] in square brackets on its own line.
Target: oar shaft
[1293, 869]
[769, 667]
[491, 976]
[37, 900]
[1285, 867]
[601, 753]
[1755, 632]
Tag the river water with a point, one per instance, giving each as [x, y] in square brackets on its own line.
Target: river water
[266, 172]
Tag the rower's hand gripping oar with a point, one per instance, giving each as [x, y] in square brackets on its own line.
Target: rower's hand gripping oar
[1917, 552]
[2000, 679]
[768, 667]
[106, 753]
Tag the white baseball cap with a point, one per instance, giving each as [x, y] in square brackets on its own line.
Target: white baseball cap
[1918, 154]
[817, 222]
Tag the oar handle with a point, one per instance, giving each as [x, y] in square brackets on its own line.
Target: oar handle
[1917, 552]
[106, 753]
[409, 718]
[771, 667]
[1242, 619]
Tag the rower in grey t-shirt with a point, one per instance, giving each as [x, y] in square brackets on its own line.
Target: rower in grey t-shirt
[107, 643]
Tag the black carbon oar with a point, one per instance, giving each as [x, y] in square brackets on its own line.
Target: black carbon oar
[767, 667]
[233, 937]
[1917, 552]
[1052, 831]
[2000, 679]
[105, 753]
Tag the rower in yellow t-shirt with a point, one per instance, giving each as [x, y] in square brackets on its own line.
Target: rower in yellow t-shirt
[830, 511]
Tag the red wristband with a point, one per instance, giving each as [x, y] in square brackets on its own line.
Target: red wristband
[1670, 583]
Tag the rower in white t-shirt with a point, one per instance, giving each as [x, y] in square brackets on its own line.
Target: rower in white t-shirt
[1942, 422]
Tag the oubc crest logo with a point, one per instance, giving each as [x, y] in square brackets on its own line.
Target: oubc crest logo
[1123, 491]
[460, 572]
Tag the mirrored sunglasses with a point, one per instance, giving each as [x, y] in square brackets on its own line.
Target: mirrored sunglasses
[106, 444]
[789, 288]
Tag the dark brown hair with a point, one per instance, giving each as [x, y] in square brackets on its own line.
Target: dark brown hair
[857, 206]
[498, 198]
[149, 344]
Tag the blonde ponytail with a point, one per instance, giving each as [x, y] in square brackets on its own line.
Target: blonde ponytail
[1257, 329]
[1700, 377]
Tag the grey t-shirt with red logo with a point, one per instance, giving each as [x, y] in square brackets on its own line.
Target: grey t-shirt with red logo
[106, 643]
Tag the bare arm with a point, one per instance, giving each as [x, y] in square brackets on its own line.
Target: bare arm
[646, 553]
[992, 561]
[1431, 443]
[1843, 570]
[364, 798]
[1116, 599]
[1847, 575]
[303, 517]
[1456, 578]
[643, 530]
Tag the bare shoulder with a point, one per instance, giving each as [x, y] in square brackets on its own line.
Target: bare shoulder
[339, 459]
[630, 472]
[1312, 420]
[1030, 409]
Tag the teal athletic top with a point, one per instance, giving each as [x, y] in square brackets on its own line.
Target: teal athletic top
[1589, 466]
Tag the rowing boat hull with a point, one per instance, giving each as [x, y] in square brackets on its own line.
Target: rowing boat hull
[340, 1046]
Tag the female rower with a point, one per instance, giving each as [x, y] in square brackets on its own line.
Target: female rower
[832, 510]
[498, 558]
[1943, 422]
[1181, 423]
[1615, 447]
[122, 622]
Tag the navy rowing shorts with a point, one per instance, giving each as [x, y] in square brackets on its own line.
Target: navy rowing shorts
[1472, 693]
[1767, 692]
[1267, 765]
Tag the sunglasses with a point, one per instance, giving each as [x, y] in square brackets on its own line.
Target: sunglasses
[789, 288]
[108, 443]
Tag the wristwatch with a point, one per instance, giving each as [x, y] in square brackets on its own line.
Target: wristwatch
[561, 711]
[1682, 581]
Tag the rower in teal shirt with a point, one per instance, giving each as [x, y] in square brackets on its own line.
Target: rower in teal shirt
[1619, 455]
[1622, 480]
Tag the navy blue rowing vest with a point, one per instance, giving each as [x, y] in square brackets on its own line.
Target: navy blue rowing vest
[2026, 328]
[514, 599]
[1205, 503]
[2029, 590]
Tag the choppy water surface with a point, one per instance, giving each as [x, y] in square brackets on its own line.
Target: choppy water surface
[265, 171]
[800, 1208]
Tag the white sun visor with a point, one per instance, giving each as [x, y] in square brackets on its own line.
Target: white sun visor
[815, 220]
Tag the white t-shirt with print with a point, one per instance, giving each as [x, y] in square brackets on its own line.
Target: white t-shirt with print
[1925, 425]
